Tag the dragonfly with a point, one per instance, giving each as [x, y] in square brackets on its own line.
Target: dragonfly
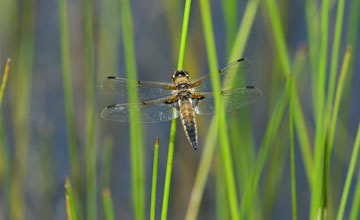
[164, 101]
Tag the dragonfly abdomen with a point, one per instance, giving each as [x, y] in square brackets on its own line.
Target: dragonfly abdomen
[188, 120]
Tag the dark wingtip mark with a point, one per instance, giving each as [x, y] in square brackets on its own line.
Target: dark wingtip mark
[250, 87]
[241, 59]
[111, 77]
[111, 106]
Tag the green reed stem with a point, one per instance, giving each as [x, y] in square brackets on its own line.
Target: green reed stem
[108, 204]
[21, 112]
[91, 195]
[168, 170]
[154, 179]
[184, 34]
[4, 79]
[107, 155]
[224, 139]
[68, 92]
[174, 121]
[70, 201]
[212, 135]
[270, 134]
[138, 179]
[292, 153]
[320, 123]
[279, 35]
[353, 160]
[335, 52]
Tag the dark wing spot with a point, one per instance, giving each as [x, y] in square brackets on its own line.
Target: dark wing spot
[242, 59]
[250, 87]
[111, 77]
[111, 106]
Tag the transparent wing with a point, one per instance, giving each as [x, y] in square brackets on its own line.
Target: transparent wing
[147, 89]
[150, 112]
[231, 99]
[231, 76]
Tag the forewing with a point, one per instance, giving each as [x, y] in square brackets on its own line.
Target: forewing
[231, 99]
[150, 112]
[146, 89]
[231, 76]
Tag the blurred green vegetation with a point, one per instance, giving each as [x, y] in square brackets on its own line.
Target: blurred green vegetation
[298, 143]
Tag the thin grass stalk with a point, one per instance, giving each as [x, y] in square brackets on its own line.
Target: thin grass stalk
[279, 36]
[108, 204]
[299, 118]
[335, 52]
[68, 92]
[4, 79]
[319, 116]
[271, 131]
[70, 202]
[22, 101]
[109, 38]
[154, 179]
[91, 207]
[211, 137]
[339, 90]
[292, 153]
[336, 106]
[349, 176]
[222, 204]
[244, 30]
[356, 199]
[230, 16]
[165, 203]
[351, 34]
[174, 121]
[107, 161]
[138, 179]
[202, 174]
[219, 108]
[184, 34]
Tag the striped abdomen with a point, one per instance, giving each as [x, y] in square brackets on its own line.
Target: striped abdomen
[187, 115]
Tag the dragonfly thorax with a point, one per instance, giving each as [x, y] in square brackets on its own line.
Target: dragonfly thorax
[183, 94]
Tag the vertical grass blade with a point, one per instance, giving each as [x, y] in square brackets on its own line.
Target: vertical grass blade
[202, 173]
[154, 180]
[338, 94]
[174, 121]
[68, 92]
[356, 200]
[91, 199]
[224, 140]
[184, 34]
[292, 153]
[271, 131]
[279, 35]
[230, 17]
[70, 202]
[211, 137]
[107, 160]
[138, 182]
[335, 52]
[319, 116]
[108, 206]
[4, 79]
[22, 101]
[353, 160]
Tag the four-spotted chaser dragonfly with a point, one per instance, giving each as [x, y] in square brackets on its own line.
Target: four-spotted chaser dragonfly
[188, 97]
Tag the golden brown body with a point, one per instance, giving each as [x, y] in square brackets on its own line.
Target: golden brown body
[188, 120]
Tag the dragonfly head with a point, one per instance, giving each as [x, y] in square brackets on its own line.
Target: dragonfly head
[180, 73]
